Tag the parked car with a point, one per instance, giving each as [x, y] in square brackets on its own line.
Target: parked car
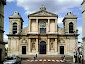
[12, 60]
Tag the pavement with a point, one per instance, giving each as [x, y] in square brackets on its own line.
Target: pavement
[45, 61]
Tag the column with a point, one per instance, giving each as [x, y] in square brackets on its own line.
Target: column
[48, 25]
[36, 45]
[29, 25]
[48, 45]
[29, 45]
[55, 25]
[37, 25]
[55, 45]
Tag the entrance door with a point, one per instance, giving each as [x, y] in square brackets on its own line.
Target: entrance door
[61, 49]
[0, 54]
[43, 47]
[23, 49]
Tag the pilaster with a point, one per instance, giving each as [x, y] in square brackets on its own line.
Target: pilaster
[48, 45]
[29, 45]
[37, 25]
[36, 45]
[55, 45]
[29, 25]
[55, 25]
[9, 44]
[48, 25]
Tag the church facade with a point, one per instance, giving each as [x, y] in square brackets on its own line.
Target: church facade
[42, 35]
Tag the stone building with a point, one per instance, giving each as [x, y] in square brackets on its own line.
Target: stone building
[2, 44]
[42, 35]
[83, 24]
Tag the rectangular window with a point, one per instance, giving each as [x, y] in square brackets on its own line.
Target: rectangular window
[42, 30]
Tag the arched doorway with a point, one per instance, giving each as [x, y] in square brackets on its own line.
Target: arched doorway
[42, 47]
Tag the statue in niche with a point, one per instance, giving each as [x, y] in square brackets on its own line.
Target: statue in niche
[51, 45]
[33, 45]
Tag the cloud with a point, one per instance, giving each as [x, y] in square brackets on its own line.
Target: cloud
[5, 38]
[80, 40]
[80, 32]
[60, 20]
[51, 5]
[10, 0]
[80, 29]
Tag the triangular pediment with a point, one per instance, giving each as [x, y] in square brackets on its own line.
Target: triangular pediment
[42, 13]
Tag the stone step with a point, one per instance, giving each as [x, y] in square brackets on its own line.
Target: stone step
[47, 58]
[44, 55]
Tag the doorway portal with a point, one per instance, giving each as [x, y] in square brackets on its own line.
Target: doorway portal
[42, 47]
[61, 49]
[23, 49]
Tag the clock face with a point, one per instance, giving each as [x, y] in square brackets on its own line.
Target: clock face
[42, 24]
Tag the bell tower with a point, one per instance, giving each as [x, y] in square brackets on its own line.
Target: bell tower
[16, 23]
[69, 23]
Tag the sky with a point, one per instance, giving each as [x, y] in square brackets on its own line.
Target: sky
[59, 7]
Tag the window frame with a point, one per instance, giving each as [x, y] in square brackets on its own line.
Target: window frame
[71, 27]
[14, 28]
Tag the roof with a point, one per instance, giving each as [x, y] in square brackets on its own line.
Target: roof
[15, 15]
[42, 13]
[70, 15]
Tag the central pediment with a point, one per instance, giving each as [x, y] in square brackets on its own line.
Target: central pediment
[43, 13]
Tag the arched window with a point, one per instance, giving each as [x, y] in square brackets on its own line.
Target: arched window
[42, 27]
[14, 28]
[70, 27]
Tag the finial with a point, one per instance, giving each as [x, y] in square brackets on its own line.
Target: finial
[42, 7]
